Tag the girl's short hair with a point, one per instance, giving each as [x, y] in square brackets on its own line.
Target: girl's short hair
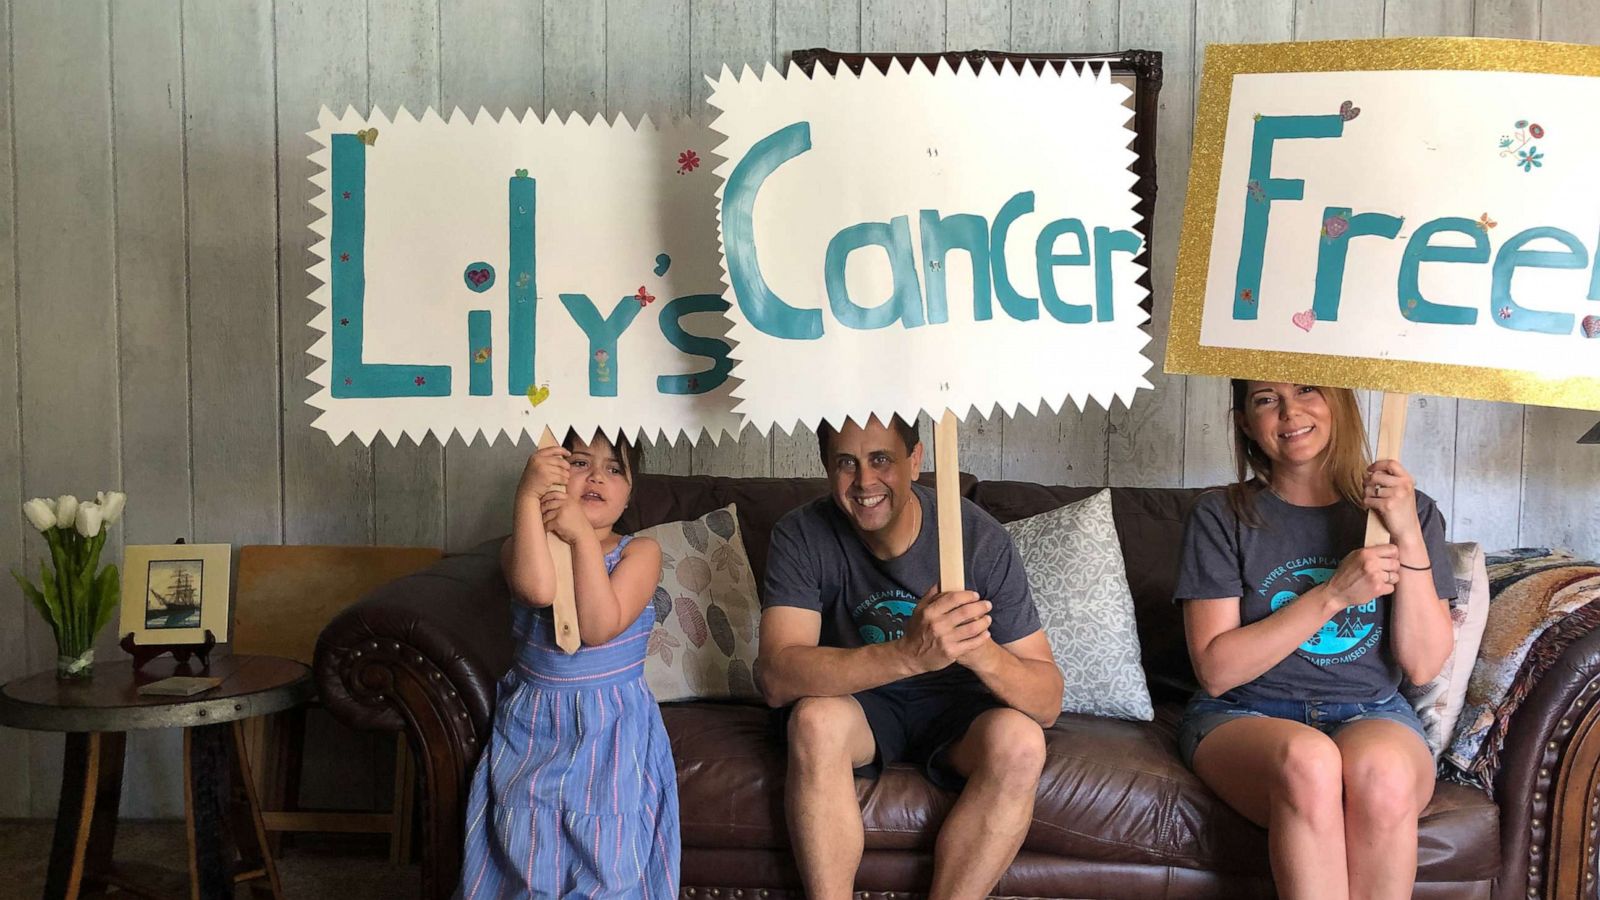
[627, 452]
[1345, 460]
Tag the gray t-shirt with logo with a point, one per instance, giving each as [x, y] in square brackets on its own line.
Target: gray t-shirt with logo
[1295, 549]
[818, 562]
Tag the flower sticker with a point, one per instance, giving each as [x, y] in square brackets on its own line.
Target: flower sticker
[482, 356]
[644, 297]
[1334, 227]
[1505, 312]
[1485, 223]
[420, 381]
[1257, 193]
[344, 321]
[688, 161]
[344, 257]
[1247, 295]
[602, 371]
[1517, 145]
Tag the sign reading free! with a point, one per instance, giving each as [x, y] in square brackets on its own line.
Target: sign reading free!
[1412, 215]
[928, 240]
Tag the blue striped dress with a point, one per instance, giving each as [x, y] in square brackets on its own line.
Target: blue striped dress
[576, 794]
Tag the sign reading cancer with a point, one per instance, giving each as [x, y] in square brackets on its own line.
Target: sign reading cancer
[488, 276]
[484, 276]
[1404, 215]
[928, 241]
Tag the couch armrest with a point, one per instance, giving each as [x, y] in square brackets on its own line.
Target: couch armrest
[422, 655]
[1547, 787]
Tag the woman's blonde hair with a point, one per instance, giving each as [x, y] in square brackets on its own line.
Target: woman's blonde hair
[1345, 460]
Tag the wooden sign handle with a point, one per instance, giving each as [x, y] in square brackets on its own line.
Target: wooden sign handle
[565, 607]
[947, 490]
[1391, 435]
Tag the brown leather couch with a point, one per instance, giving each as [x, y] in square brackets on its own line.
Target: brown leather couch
[1118, 816]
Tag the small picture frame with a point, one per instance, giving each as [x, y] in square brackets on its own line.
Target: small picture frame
[175, 593]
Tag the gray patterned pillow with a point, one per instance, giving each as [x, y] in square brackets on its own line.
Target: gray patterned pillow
[1075, 570]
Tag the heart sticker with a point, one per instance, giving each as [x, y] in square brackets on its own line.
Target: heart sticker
[479, 277]
[1348, 110]
[1591, 326]
[537, 395]
[1304, 320]
[368, 136]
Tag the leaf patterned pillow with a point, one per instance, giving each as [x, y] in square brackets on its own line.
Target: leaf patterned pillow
[704, 642]
[1076, 573]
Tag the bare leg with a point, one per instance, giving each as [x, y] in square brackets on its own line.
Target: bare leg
[828, 737]
[1286, 777]
[1001, 756]
[1388, 780]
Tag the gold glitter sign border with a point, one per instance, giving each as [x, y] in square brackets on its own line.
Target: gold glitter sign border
[1185, 354]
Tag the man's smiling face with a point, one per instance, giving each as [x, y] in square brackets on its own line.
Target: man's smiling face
[870, 470]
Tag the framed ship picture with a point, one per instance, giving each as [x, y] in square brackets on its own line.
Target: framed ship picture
[174, 593]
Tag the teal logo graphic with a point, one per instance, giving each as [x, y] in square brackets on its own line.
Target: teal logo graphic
[1347, 636]
[884, 615]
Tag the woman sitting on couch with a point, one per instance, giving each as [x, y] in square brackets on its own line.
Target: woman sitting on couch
[1300, 637]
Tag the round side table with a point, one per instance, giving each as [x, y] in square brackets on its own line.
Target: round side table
[227, 844]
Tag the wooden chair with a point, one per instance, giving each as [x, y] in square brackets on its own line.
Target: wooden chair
[284, 597]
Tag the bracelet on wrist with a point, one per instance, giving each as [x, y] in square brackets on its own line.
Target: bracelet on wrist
[1417, 568]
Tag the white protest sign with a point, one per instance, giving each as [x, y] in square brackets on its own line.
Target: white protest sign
[1407, 215]
[928, 240]
[509, 275]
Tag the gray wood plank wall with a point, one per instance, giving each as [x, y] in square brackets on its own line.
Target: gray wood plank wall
[152, 327]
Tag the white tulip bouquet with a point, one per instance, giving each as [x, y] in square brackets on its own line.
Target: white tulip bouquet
[77, 596]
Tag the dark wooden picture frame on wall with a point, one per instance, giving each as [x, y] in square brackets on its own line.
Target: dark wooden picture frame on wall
[1141, 67]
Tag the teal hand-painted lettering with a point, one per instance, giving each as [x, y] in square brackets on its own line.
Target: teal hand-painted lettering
[1046, 258]
[1107, 242]
[1509, 313]
[1419, 250]
[1260, 193]
[522, 320]
[763, 308]
[480, 355]
[1334, 249]
[713, 349]
[1594, 273]
[603, 333]
[1017, 306]
[940, 235]
[905, 300]
[353, 378]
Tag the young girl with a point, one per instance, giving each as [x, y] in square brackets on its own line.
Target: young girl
[1300, 637]
[576, 792]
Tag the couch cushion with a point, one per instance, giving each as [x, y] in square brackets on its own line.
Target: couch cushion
[1150, 530]
[1112, 790]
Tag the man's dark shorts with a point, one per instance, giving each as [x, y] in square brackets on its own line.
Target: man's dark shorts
[916, 724]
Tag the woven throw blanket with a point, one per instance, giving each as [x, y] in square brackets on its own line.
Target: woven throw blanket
[1540, 602]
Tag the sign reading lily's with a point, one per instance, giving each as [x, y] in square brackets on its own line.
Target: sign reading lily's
[1416, 215]
[507, 276]
[928, 240]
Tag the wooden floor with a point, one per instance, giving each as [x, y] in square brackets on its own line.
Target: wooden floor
[319, 867]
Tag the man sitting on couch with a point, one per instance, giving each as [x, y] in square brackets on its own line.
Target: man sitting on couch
[959, 682]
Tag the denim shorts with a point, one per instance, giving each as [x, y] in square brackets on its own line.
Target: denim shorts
[1205, 713]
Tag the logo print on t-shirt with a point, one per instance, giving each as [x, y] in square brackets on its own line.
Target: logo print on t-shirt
[1347, 636]
[884, 616]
